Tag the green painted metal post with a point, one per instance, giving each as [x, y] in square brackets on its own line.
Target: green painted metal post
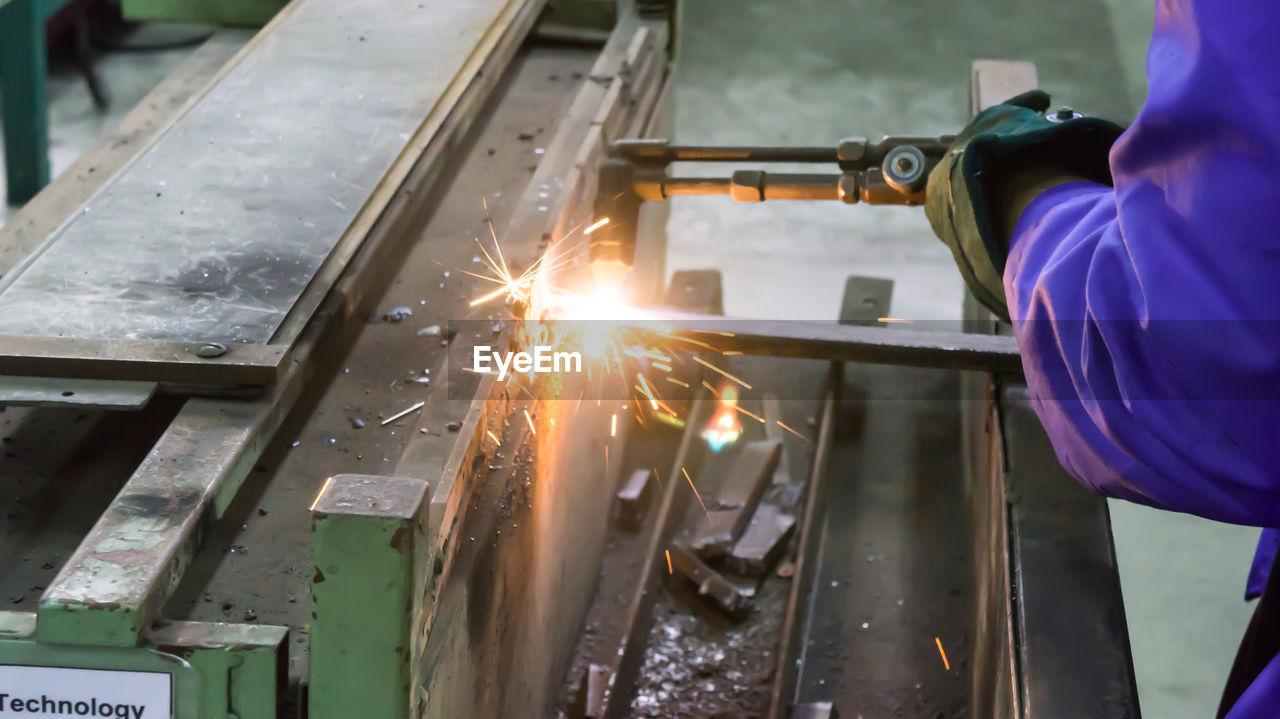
[22, 83]
[371, 558]
[243, 668]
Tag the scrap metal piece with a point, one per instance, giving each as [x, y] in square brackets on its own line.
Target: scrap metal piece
[749, 474]
[754, 465]
[716, 532]
[711, 585]
[635, 498]
[763, 543]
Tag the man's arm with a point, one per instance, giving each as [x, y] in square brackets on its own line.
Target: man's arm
[1149, 315]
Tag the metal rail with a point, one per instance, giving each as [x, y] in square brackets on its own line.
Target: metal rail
[845, 343]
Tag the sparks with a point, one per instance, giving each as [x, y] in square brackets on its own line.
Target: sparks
[493, 437]
[529, 419]
[653, 401]
[695, 492]
[710, 366]
[596, 225]
[945, 664]
[792, 431]
[613, 426]
[670, 569]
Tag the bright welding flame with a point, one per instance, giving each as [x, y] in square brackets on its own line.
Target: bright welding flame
[724, 427]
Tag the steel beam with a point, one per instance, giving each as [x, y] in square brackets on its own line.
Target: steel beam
[844, 343]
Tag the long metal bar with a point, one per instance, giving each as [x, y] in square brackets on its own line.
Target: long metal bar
[844, 343]
[790, 650]
[195, 363]
[118, 579]
[646, 152]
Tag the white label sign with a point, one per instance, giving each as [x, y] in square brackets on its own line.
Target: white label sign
[60, 693]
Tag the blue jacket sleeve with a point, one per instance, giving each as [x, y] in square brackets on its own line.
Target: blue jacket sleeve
[1149, 315]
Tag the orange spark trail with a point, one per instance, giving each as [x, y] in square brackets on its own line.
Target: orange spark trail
[613, 426]
[494, 437]
[792, 431]
[695, 492]
[529, 419]
[946, 664]
[710, 366]
[657, 477]
[670, 569]
[596, 225]
[757, 418]
[647, 392]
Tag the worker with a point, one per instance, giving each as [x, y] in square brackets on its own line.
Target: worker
[1140, 269]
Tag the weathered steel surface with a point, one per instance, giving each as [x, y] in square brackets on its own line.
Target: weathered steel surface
[142, 360]
[118, 579]
[372, 556]
[763, 543]
[711, 585]
[244, 249]
[102, 394]
[635, 498]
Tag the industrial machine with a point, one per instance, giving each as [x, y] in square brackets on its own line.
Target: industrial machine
[247, 475]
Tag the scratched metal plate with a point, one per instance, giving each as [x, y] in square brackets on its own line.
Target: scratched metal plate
[214, 232]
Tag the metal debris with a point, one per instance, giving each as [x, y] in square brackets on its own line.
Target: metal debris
[635, 498]
[763, 543]
[357, 423]
[710, 584]
[397, 313]
[413, 408]
[736, 502]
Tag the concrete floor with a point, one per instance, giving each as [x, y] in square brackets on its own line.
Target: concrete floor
[812, 71]
[74, 122]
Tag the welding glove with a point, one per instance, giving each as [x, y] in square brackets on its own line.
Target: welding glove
[980, 187]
